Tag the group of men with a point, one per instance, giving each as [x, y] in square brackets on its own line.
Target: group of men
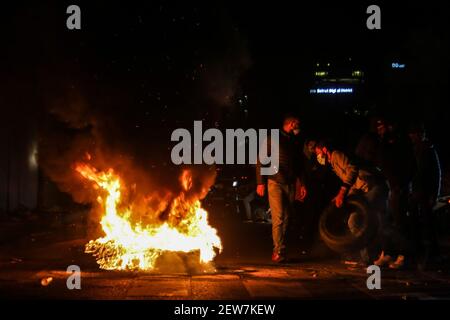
[399, 179]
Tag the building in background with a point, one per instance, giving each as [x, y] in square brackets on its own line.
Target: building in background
[19, 172]
[339, 85]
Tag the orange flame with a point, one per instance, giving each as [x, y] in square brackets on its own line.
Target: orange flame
[128, 246]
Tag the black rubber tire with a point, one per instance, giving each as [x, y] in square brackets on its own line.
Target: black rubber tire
[346, 241]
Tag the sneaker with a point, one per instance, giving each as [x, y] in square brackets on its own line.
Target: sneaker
[399, 263]
[383, 260]
[278, 258]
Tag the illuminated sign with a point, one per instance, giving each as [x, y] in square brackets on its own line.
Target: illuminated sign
[331, 90]
[396, 65]
[320, 73]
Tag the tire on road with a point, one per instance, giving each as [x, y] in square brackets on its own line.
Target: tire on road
[334, 225]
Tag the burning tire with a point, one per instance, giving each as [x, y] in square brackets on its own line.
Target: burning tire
[349, 228]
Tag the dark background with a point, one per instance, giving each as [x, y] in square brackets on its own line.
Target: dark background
[136, 71]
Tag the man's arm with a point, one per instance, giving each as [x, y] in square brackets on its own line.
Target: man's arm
[349, 176]
[300, 162]
[261, 179]
[350, 170]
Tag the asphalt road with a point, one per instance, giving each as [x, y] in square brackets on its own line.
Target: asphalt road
[242, 271]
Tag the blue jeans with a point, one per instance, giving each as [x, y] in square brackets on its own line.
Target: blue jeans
[281, 199]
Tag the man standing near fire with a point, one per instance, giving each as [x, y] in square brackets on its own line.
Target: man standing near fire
[281, 186]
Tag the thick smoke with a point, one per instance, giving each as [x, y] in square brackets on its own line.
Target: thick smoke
[77, 134]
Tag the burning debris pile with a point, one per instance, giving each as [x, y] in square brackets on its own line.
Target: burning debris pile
[142, 206]
[130, 246]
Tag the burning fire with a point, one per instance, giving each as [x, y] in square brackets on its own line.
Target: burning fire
[129, 246]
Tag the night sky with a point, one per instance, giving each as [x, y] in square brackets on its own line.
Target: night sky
[138, 71]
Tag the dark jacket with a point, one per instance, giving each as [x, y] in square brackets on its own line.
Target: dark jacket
[427, 180]
[392, 155]
[290, 161]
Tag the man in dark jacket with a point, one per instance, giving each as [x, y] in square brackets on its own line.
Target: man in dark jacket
[385, 149]
[319, 182]
[425, 189]
[281, 186]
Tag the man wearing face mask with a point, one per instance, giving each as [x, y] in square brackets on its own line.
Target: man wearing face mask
[367, 181]
[281, 186]
[364, 181]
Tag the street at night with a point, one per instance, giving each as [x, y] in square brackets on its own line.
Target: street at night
[242, 273]
[223, 152]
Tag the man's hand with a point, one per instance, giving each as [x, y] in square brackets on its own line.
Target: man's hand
[300, 191]
[303, 193]
[339, 199]
[260, 190]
